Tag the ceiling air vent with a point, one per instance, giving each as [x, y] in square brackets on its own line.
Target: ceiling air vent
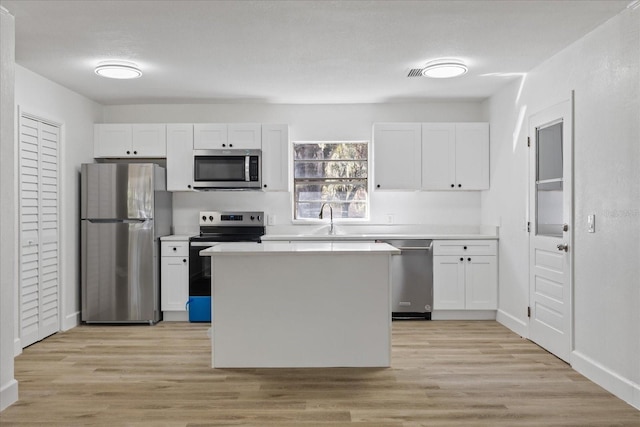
[415, 72]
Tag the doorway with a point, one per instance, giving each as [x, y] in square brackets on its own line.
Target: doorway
[551, 225]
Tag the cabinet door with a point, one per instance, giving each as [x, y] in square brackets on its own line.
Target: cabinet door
[149, 140]
[438, 156]
[472, 156]
[175, 283]
[112, 140]
[481, 283]
[209, 136]
[275, 157]
[397, 156]
[448, 283]
[246, 136]
[179, 157]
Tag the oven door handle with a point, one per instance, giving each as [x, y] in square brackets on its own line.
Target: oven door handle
[202, 244]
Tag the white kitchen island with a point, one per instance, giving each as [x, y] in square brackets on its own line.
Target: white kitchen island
[301, 304]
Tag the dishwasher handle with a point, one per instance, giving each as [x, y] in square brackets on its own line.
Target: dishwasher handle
[414, 248]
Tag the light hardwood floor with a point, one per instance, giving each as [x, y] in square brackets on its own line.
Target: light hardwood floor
[443, 373]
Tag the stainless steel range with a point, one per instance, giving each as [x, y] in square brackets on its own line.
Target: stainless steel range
[216, 227]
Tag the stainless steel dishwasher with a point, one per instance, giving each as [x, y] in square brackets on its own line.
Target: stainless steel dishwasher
[412, 279]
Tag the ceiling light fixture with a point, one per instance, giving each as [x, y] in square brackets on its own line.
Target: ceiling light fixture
[444, 69]
[118, 70]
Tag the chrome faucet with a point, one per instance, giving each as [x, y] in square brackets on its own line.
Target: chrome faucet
[331, 216]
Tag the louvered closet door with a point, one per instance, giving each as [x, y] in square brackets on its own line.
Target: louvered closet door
[39, 253]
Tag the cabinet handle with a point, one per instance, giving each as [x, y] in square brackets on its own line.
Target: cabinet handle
[459, 185]
[224, 145]
[189, 186]
[135, 152]
[461, 259]
[184, 260]
[175, 249]
[128, 152]
[265, 186]
[464, 247]
[230, 145]
[452, 185]
[378, 186]
[468, 259]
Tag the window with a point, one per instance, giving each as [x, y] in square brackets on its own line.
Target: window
[334, 173]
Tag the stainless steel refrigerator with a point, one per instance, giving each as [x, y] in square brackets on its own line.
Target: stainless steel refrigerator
[125, 208]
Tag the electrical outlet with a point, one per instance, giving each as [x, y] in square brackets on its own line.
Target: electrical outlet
[271, 219]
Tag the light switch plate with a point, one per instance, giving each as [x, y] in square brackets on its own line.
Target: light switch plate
[591, 223]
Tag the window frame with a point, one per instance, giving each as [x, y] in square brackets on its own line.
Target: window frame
[336, 220]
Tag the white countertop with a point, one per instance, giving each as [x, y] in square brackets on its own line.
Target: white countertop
[373, 236]
[299, 248]
[378, 232]
[175, 238]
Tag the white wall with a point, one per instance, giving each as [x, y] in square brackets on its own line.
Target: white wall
[8, 384]
[312, 123]
[603, 69]
[77, 114]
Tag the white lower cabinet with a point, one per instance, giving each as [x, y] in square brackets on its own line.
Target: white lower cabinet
[174, 279]
[465, 275]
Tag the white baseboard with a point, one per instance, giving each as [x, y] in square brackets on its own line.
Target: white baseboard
[622, 387]
[17, 347]
[8, 394]
[463, 315]
[513, 323]
[70, 321]
[175, 316]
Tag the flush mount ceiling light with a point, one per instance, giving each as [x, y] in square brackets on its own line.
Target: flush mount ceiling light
[444, 69]
[118, 70]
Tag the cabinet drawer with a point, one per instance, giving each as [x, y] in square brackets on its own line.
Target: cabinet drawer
[174, 249]
[465, 247]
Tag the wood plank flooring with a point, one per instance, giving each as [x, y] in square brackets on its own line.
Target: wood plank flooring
[443, 373]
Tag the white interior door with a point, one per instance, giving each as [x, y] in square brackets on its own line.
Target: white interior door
[39, 230]
[551, 215]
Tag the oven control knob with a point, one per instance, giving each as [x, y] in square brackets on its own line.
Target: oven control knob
[252, 217]
[204, 218]
[258, 218]
[211, 218]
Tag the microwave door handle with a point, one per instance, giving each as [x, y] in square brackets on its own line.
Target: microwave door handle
[247, 162]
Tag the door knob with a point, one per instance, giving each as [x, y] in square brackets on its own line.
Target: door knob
[563, 247]
[565, 227]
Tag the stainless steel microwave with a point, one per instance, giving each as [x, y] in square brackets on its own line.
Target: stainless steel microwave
[227, 169]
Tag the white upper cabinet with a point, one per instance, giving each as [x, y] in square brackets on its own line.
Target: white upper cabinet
[209, 136]
[179, 157]
[455, 156]
[397, 156]
[246, 136]
[130, 140]
[438, 156]
[472, 156]
[217, 136]
[275, 157]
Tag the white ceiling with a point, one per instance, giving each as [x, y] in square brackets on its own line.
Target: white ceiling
[294, 51]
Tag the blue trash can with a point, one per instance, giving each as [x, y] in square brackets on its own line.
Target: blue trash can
[199, 309]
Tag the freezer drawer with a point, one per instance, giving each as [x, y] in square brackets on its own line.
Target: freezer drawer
[119, 272]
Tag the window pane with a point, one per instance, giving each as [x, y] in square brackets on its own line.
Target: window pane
[348, 200]
[330, 151]
[331, 172]
[330, 169]
[550, 152]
